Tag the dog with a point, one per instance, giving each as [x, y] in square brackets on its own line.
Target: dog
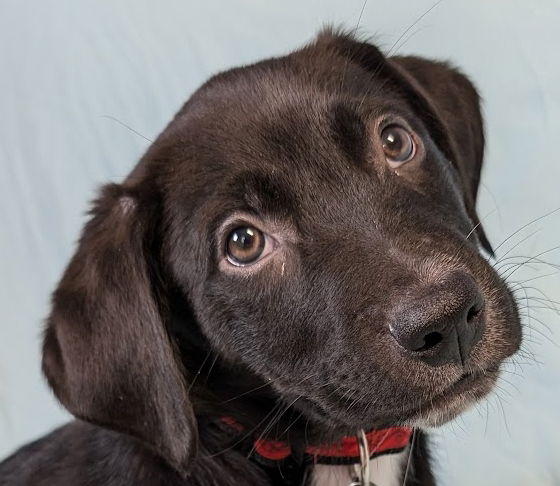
[288, 289]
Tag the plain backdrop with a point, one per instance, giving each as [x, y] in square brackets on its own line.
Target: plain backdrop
[69, 69]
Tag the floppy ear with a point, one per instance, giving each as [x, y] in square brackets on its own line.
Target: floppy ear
[445, 99]
[106, 351]
[455, 102]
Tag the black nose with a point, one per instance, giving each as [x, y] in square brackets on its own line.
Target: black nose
[441, 322]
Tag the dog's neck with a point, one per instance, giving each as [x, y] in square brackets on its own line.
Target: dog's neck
[249, 404]
[337, 464]
[375, 455]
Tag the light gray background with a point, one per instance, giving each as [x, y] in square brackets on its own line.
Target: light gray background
[68, 66]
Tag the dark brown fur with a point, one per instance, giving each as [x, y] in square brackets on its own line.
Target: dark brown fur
[150, 341]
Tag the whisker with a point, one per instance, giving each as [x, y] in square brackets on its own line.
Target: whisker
[515, 259]
[545, 297]
[408, 38]
[503, 413]
[503, 390]
[408, 29]
[540, 333]
[529, 260]
[487, 416]
[271, 424]
[197, 374]
[298, 416]
[214, 361]
[471, 232]
[110, 117]
[348, 61]
[268, 383]
[516, 245]
[248, 434]
[368, 92]
[510, 384]
[360, 16]
[525, 226]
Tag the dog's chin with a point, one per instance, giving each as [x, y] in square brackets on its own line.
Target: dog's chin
[453, 401]
[429, 413]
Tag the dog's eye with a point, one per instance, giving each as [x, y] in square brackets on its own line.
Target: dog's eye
[398, 144]
[245, 245]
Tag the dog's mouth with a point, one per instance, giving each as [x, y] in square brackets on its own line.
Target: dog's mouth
[470, 377]
[429, 412]
[455, 399]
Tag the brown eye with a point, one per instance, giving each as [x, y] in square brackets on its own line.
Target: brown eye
[245, 245]
[398, 144]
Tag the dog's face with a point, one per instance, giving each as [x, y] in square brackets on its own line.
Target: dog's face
[317, 214]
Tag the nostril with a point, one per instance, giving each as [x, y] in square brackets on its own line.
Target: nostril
[473, 313]
[430, 340]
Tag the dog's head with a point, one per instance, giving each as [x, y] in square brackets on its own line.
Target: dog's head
[315, 217]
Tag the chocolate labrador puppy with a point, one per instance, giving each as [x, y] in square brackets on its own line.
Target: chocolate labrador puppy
[286, 290]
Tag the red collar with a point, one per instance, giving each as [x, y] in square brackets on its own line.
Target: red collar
[380, 441]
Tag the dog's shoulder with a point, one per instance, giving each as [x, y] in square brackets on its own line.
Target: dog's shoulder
[81, 453]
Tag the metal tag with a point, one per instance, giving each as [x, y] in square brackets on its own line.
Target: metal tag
[363, 471]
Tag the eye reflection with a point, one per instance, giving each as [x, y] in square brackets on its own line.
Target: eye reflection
[245, 245]
[398, 144]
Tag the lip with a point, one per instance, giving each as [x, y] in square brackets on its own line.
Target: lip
[446, 405]
[468, 379]
[452, 401]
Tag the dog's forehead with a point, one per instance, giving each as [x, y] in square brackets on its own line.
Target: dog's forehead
[285, 138]
[287, 113]
[297, 89]
[292, 132]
